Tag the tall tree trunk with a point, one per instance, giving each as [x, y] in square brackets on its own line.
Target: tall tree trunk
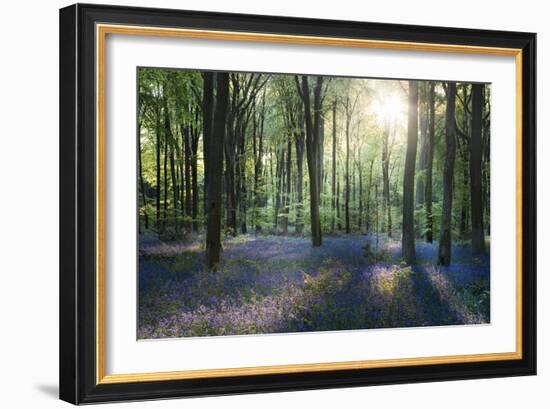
[368, 215]
[187, 166]
[423, 124]
[465, 197]
[476, 188]
[215, 168]
[242, 191]
[279, 155]
[258, 166]
[173, 175]
[376, 220]
[141, 180]
[347, 194]
[444, 254]
[320, 152]
[464, 150]
[281, 216]
[158, 175]
[165, 166]
[194, 171]
[360, 209]
[338, 213]
[299, 137]
[231, 205]
[286, 209]
[430, 143]
[207, 114]
[420, 180]
[333, 179]
[386, 206]
[485, 166]
[312, 121]
[408, 245]
[182, 166]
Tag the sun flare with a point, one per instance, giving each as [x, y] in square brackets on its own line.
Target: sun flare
[389, 108]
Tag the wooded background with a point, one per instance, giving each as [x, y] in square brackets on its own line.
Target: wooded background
[226, 153]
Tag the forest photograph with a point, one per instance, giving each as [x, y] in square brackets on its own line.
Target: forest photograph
[283, 203]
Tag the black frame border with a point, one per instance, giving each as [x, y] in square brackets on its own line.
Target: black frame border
[78, 210]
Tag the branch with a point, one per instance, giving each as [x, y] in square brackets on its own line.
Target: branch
[298, 86]
[461, 133]
[464, 104]
[324, 93]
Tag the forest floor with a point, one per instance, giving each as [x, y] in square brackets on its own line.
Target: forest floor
[275, 284]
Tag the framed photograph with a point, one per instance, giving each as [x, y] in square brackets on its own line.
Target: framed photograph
[257, 203]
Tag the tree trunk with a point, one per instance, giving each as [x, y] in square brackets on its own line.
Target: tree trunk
[429, 163]
[464, 199]
[165, 166]
[476, 188]
[369, 188]
[386, 208]
[207, 114]
[215, 168]
[299, 137]
[408, 245]
[420, 180]
[360, 209]
[464, 149]
[333, 180]
[258, 168]
[277, 187]
[444, 254]
[312, 121]
[420, 190]
[231, 205]
[158, 181]
[320, 152]
[288, 178]
[194, 172]
[338, 214]
[141, 181]
[347, 194]
[174, 187]
[242, 191]
[187, 167]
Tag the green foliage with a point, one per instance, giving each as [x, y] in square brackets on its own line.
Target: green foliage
[170, 101]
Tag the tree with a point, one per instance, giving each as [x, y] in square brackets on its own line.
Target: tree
[140, 164]
[386, 205]
[408, 245]
[444, 252]
[167, 136]
[476, 189]
[349, 107]
[194, 134]
[258, 151]
[430, 143]
[186, 140]
[207, 117]
[420, 190]
[360, 207]
[312, 115]
[158, 134]
[333, 178]
[299, 138]
[215, 166]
